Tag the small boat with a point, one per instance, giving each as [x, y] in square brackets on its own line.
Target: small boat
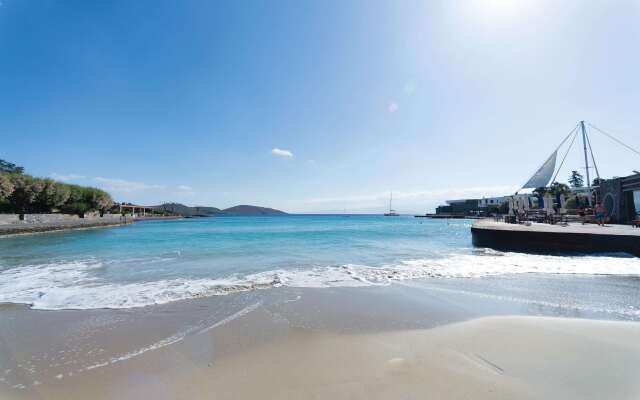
[392, 212]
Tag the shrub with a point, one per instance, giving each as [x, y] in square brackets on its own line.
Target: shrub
[6, 187]
[21, 193]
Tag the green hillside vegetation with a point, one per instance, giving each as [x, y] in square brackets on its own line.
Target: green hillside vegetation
[21, 194]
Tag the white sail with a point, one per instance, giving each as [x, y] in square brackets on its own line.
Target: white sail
[543, 175]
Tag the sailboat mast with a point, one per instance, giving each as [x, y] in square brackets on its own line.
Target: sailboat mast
[390, 201]
[586, 160]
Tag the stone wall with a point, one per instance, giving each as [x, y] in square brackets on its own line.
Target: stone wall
[9, 219]
[56, 218]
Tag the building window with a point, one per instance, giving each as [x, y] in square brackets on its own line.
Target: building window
[636, 201]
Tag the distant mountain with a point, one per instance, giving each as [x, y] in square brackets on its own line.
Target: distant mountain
[201, 211]
[251, 210]
[181, 209]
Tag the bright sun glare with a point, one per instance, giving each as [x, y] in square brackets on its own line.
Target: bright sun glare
[497, 14]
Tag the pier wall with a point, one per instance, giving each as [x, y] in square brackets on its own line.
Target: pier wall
[548, 242]
[6, 219]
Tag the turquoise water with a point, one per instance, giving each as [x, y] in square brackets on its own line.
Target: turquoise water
[156, 262]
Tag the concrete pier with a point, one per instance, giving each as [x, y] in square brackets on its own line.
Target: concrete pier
[546, 238]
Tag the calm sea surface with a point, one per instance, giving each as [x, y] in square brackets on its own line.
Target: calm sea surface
[156, 262]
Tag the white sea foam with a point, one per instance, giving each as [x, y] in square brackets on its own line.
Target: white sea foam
[629, 312]
[75, 285]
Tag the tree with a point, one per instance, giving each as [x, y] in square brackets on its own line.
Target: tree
[558, 188]
[53, 195]
[82, 199]
[75, 202]
[60, 195]
[20, 193]
[6, 166]
[576, 179]
[103, 200]
[26, 190]
[76, 208]
[6, 187]
[96, 199]
[100, 200]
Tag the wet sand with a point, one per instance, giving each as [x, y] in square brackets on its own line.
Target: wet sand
[487, 358]
[398, 341]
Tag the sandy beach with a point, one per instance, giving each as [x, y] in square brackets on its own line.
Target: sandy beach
[383, 342]
[298, 200]
[487, 358]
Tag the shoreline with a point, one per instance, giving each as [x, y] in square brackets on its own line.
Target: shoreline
[14, 230]
[297, 344]
[32, 228]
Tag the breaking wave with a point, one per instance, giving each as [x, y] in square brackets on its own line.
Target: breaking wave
[75, 285]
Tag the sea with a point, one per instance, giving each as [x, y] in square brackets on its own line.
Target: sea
[156, 262]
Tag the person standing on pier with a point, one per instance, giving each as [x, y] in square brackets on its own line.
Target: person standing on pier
[600, 214]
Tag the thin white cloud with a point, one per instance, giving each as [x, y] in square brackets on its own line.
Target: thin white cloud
[281, 152]
[66, 177]
[124, 186]
[184, 190]
[393, 107]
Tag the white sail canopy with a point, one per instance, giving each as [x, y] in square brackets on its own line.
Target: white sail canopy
[543, 175]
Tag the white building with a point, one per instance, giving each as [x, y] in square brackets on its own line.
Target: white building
[487, 202]
[492, 201]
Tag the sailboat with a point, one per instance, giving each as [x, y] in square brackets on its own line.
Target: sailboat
[392, 212]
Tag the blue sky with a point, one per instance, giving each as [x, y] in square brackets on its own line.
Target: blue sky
[313, 106]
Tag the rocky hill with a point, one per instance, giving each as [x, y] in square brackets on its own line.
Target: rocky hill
[251, 210]
[181, 209]
[201, 211]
